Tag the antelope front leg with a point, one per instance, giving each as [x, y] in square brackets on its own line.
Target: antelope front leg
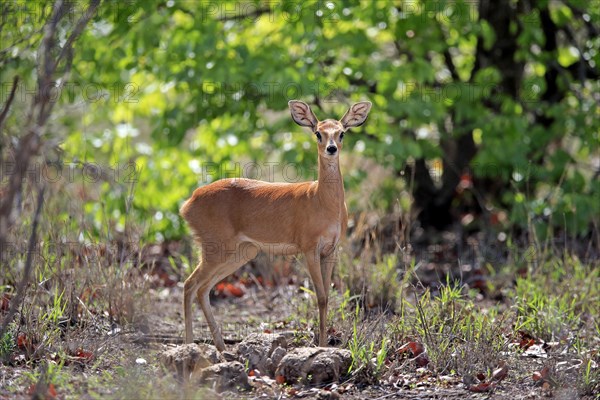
[313, 262]
[328, 263]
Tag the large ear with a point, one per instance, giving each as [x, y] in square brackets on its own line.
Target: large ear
[356, 115]
[302, 114]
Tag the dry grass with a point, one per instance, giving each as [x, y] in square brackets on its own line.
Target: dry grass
[92, 293]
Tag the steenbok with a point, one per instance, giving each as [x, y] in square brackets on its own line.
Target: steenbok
[234, 219]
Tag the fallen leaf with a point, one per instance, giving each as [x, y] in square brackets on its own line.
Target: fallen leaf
[5, 302]
[280, 379]
[415, 348]
[525, 344]
[51, 393]
[500, 373]
[234, 290]
[403, 349]
[52, 390]
[482, 387]
[84, 354]
[526, 340]
[220, 287]
[541, 375]
[22, 341]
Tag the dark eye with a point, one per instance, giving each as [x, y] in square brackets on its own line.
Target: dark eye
[318, 134]
[341, 136]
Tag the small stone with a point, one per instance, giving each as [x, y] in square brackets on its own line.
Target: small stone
[314, 366]
[229, 356]
[189, 358]
[277, 355]
[328, 395]
[257, 349]
[141, 361]
[223, 376]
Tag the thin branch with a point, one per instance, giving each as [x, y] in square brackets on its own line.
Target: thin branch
[79, 27]
[18, 41]
[450, 65]
[46, 67]
[5, 11]
[48, 39]
[593, 29]
[9, 101]
[447, 55]
[16, 302]
[254, 14]
[50, 67]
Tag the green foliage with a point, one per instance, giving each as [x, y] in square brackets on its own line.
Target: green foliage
[366, 357]
[166, 96]
[557, 313]
[589, 382]
[56, 310]
[377, 284]
[457, 337]
[7, 343]
[385, 283]
[161, 90]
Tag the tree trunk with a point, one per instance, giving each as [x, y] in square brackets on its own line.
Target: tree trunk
[436, 203]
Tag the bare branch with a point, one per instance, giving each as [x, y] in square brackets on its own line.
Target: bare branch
[18, 41]
[51, 65]
[41, 106]
[5, 11]
[79, 27]
[450, 65]
[252, 15]
[9, 101]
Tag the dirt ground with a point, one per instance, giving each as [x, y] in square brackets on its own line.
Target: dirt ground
[126, 363]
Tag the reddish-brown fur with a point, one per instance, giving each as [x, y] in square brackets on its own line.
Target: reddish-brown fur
[233, 219]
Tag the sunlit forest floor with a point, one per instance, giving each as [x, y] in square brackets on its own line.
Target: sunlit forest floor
[436, 320]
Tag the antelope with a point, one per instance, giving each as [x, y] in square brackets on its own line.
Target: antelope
[233, 219]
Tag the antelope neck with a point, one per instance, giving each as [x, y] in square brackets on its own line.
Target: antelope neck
[330, 186]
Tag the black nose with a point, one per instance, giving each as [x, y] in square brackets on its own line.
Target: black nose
[331, 149]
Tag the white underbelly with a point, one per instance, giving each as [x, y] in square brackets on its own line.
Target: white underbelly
[271, 248]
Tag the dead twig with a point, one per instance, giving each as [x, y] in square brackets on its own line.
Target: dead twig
[22, 287]
[174, 339]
